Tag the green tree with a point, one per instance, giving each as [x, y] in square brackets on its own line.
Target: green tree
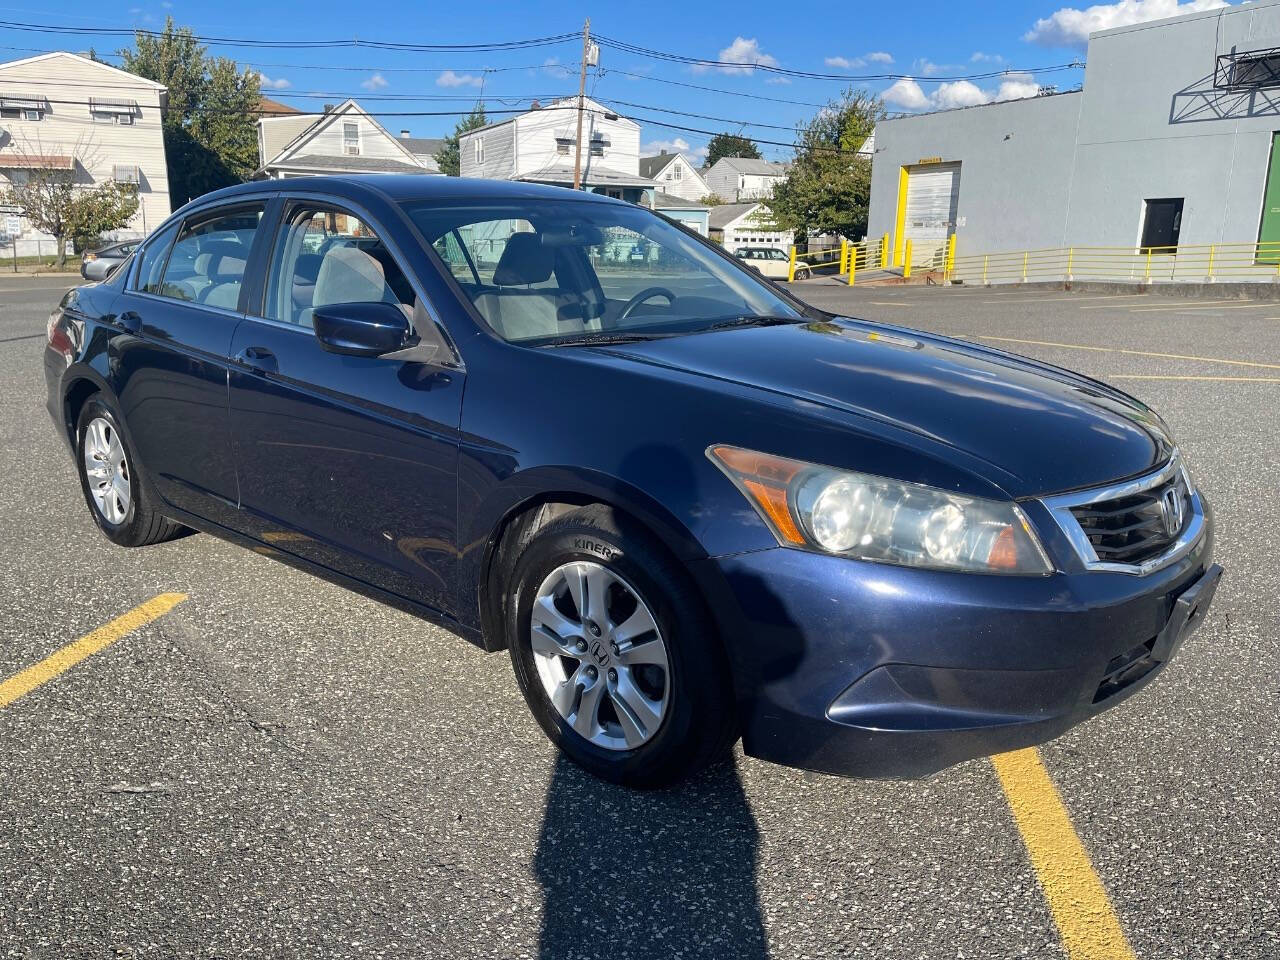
[210, 130]
[448, 157]
[731, 145]
[829, 187]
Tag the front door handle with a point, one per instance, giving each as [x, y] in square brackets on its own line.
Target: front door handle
[131, 321]
[258, 358]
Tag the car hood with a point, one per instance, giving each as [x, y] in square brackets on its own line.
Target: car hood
[1040, 429]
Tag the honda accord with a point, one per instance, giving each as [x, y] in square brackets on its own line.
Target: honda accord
[690, 506]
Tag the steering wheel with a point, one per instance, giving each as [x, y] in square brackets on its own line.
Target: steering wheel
[648, 293]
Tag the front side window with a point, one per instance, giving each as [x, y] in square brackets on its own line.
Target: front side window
[325, 256]
[548, 271]
[208, 260]
[151, 263]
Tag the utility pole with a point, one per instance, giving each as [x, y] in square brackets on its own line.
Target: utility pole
[582, 102]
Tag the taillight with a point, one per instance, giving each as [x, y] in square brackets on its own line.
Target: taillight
[59, 342]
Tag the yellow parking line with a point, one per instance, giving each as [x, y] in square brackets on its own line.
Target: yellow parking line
[1081, 909]
[1135, 353]
[1170, 376]
[1189, 303]
[1203, 306]
[886, 303]
[20, 684]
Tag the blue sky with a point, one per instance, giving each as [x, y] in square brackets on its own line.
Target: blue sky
[936, 45]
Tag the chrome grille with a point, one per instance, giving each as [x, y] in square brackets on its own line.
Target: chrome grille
[1135, 528]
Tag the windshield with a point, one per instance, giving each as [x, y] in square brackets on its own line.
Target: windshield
[559, 271]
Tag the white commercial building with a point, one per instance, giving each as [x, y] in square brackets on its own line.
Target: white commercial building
[1174, 139]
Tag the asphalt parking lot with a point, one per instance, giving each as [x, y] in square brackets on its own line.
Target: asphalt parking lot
[262, 764]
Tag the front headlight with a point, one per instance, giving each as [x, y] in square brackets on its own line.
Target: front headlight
[888, 521]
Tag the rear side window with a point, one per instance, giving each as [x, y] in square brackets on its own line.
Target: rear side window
[152, 261]
[209, 258]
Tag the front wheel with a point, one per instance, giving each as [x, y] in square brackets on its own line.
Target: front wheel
[616, 654]
[802, 273]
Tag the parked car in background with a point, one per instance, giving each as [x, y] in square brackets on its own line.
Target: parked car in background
[689, 505]
[97, 264]
[772, 263]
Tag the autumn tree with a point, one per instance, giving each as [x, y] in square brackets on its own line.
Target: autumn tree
[62, 201]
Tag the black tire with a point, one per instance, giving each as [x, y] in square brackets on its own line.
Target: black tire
[802, 273]
[141, 524]
[699, 726]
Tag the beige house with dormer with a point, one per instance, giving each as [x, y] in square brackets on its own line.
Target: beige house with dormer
[342, 139]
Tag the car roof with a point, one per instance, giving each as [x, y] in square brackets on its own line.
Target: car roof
[409, 187]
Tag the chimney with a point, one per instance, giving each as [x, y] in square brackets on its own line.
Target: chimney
[662, 153]
[535, 105]
[404, 134]
[328, 108]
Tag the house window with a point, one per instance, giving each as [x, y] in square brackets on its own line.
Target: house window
[126, 173]
[351, 139]
[598, 143]
[679, 171]
[479, 150]
[1161, 225]
[564, 145]
[21, 113]
[123, 119]
[112, 110]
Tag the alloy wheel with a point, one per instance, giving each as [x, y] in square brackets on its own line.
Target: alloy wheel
[600, 655]
[107, 470]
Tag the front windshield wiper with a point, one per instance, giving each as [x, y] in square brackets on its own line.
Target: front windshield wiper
[753, 320]
[592, 339]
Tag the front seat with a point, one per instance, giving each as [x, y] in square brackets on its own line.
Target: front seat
[225, 270]
[516, 310]
[347, 275]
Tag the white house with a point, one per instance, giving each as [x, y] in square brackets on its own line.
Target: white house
[343, 139]
[673, 174]
[62, 111]
[539, 146]
[738, 225]
[737, 179]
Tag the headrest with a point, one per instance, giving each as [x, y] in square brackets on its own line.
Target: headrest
[349, 275]
[226, 260]
[307, 267]
[524, 260]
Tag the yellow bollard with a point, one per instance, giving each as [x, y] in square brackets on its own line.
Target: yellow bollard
[1212, 248]
[949, 265]
[1024, 267]
[844, 254]
[985, 259]
[1147, 277]
[791, 269]
[906, 261]
[1071, 261]
[884, 252]
[853, 264]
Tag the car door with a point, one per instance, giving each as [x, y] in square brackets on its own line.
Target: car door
[346, 461]
[182, 305]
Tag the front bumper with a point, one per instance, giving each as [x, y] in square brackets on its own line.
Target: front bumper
[872, 670]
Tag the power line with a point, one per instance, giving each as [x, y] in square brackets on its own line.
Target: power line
[738, 66]
[697, 86]
[295, 44]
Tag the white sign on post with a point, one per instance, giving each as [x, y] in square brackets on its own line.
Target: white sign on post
[13, 226]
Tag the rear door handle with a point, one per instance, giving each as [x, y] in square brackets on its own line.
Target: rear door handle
[258, 358]
[131, 321]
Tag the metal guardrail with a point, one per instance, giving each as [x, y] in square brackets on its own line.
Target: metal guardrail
[1186, 263]
[849, 259]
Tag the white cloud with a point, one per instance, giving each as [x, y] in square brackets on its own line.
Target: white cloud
[376, 82]
[1017, 86]
[777, 80]
[743, 51]
[909, 95]
[266, 83]
[555, 68]
[847, 63]
[906, 93]
[451, 79]
[959, 93]
[1070, 26]
[674, 145]
[980, 57]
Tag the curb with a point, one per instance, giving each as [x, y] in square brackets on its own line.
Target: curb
[1231, 290]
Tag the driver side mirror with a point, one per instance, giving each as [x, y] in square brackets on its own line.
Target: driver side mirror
[362, 329]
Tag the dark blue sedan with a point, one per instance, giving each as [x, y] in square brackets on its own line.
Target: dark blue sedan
[690, 506]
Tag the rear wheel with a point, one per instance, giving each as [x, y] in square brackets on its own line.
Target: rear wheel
[615, 653]
[111, 481]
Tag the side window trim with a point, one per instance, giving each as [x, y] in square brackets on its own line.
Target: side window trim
[132, 286]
